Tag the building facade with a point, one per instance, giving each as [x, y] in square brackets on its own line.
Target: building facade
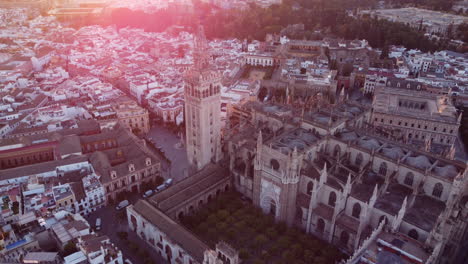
[415, 115]
[133, 117]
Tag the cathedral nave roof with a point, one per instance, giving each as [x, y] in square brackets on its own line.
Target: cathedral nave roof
[424, 212]
[392, 200]
[324, 211]
[363, 191]
[299, 138]
[348, 222]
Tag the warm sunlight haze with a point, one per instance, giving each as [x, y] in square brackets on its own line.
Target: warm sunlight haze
[234, 131]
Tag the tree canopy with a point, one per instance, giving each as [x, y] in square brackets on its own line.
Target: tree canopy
[328, 17]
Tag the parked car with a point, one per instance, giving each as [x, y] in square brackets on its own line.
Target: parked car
[168, 182]
[122, 205]
[161, 187]
[98, 224]
[148, 193]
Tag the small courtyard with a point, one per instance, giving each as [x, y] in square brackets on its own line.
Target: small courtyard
[255, 235]
[255, 73]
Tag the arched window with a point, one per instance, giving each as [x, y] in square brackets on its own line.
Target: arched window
[274, 164]
[344, 238]
[438, 189]
[168, 252]
[356, 210]
[413, 234]
[383, 169]
[180, 215]
[358, 160]
[299, 212]
[409, 179]
[320, 225]
[310, 187]
[332, 199]
[272, 207]
[337, 151]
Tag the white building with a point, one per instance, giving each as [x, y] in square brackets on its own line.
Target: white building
[99, 250]
[90, 195]
[371, 81]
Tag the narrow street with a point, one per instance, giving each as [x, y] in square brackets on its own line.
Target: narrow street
[112, 223]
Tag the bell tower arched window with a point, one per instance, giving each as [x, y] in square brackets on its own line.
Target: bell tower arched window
[409, 179]
[437, 190]
[358, 160]
[383, 169]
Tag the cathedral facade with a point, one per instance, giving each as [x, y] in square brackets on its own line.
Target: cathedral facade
[327, 173]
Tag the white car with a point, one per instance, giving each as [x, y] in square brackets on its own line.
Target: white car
[148, 193]
[98, 224]
[122, 205]
[168, 182]
[161, 187]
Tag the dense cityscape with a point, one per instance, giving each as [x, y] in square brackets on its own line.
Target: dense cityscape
[234, 131]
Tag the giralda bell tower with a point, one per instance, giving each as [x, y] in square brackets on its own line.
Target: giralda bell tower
[202, 107]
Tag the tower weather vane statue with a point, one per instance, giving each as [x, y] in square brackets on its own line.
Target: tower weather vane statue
[202, 106]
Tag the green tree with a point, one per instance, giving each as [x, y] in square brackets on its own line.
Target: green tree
[15, 207]
[297, 250]
[122, 235]
[284, 242]
[384, 54]
[69, 248]
[222, 215]
[308, 256]
[243, 254]
[260, 240]
[271, 233]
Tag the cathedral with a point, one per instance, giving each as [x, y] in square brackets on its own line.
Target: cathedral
[328, 173]
[324, 170]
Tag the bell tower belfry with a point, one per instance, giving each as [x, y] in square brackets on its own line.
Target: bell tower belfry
[202, 107]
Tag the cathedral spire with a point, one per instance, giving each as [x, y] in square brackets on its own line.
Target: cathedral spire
[258, 155]
[259, 139]
[200, 49]
[373, 199]
[347, 188]
[397, 220]
[323, 175]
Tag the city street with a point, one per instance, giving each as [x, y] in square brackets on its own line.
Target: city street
[112, 223]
